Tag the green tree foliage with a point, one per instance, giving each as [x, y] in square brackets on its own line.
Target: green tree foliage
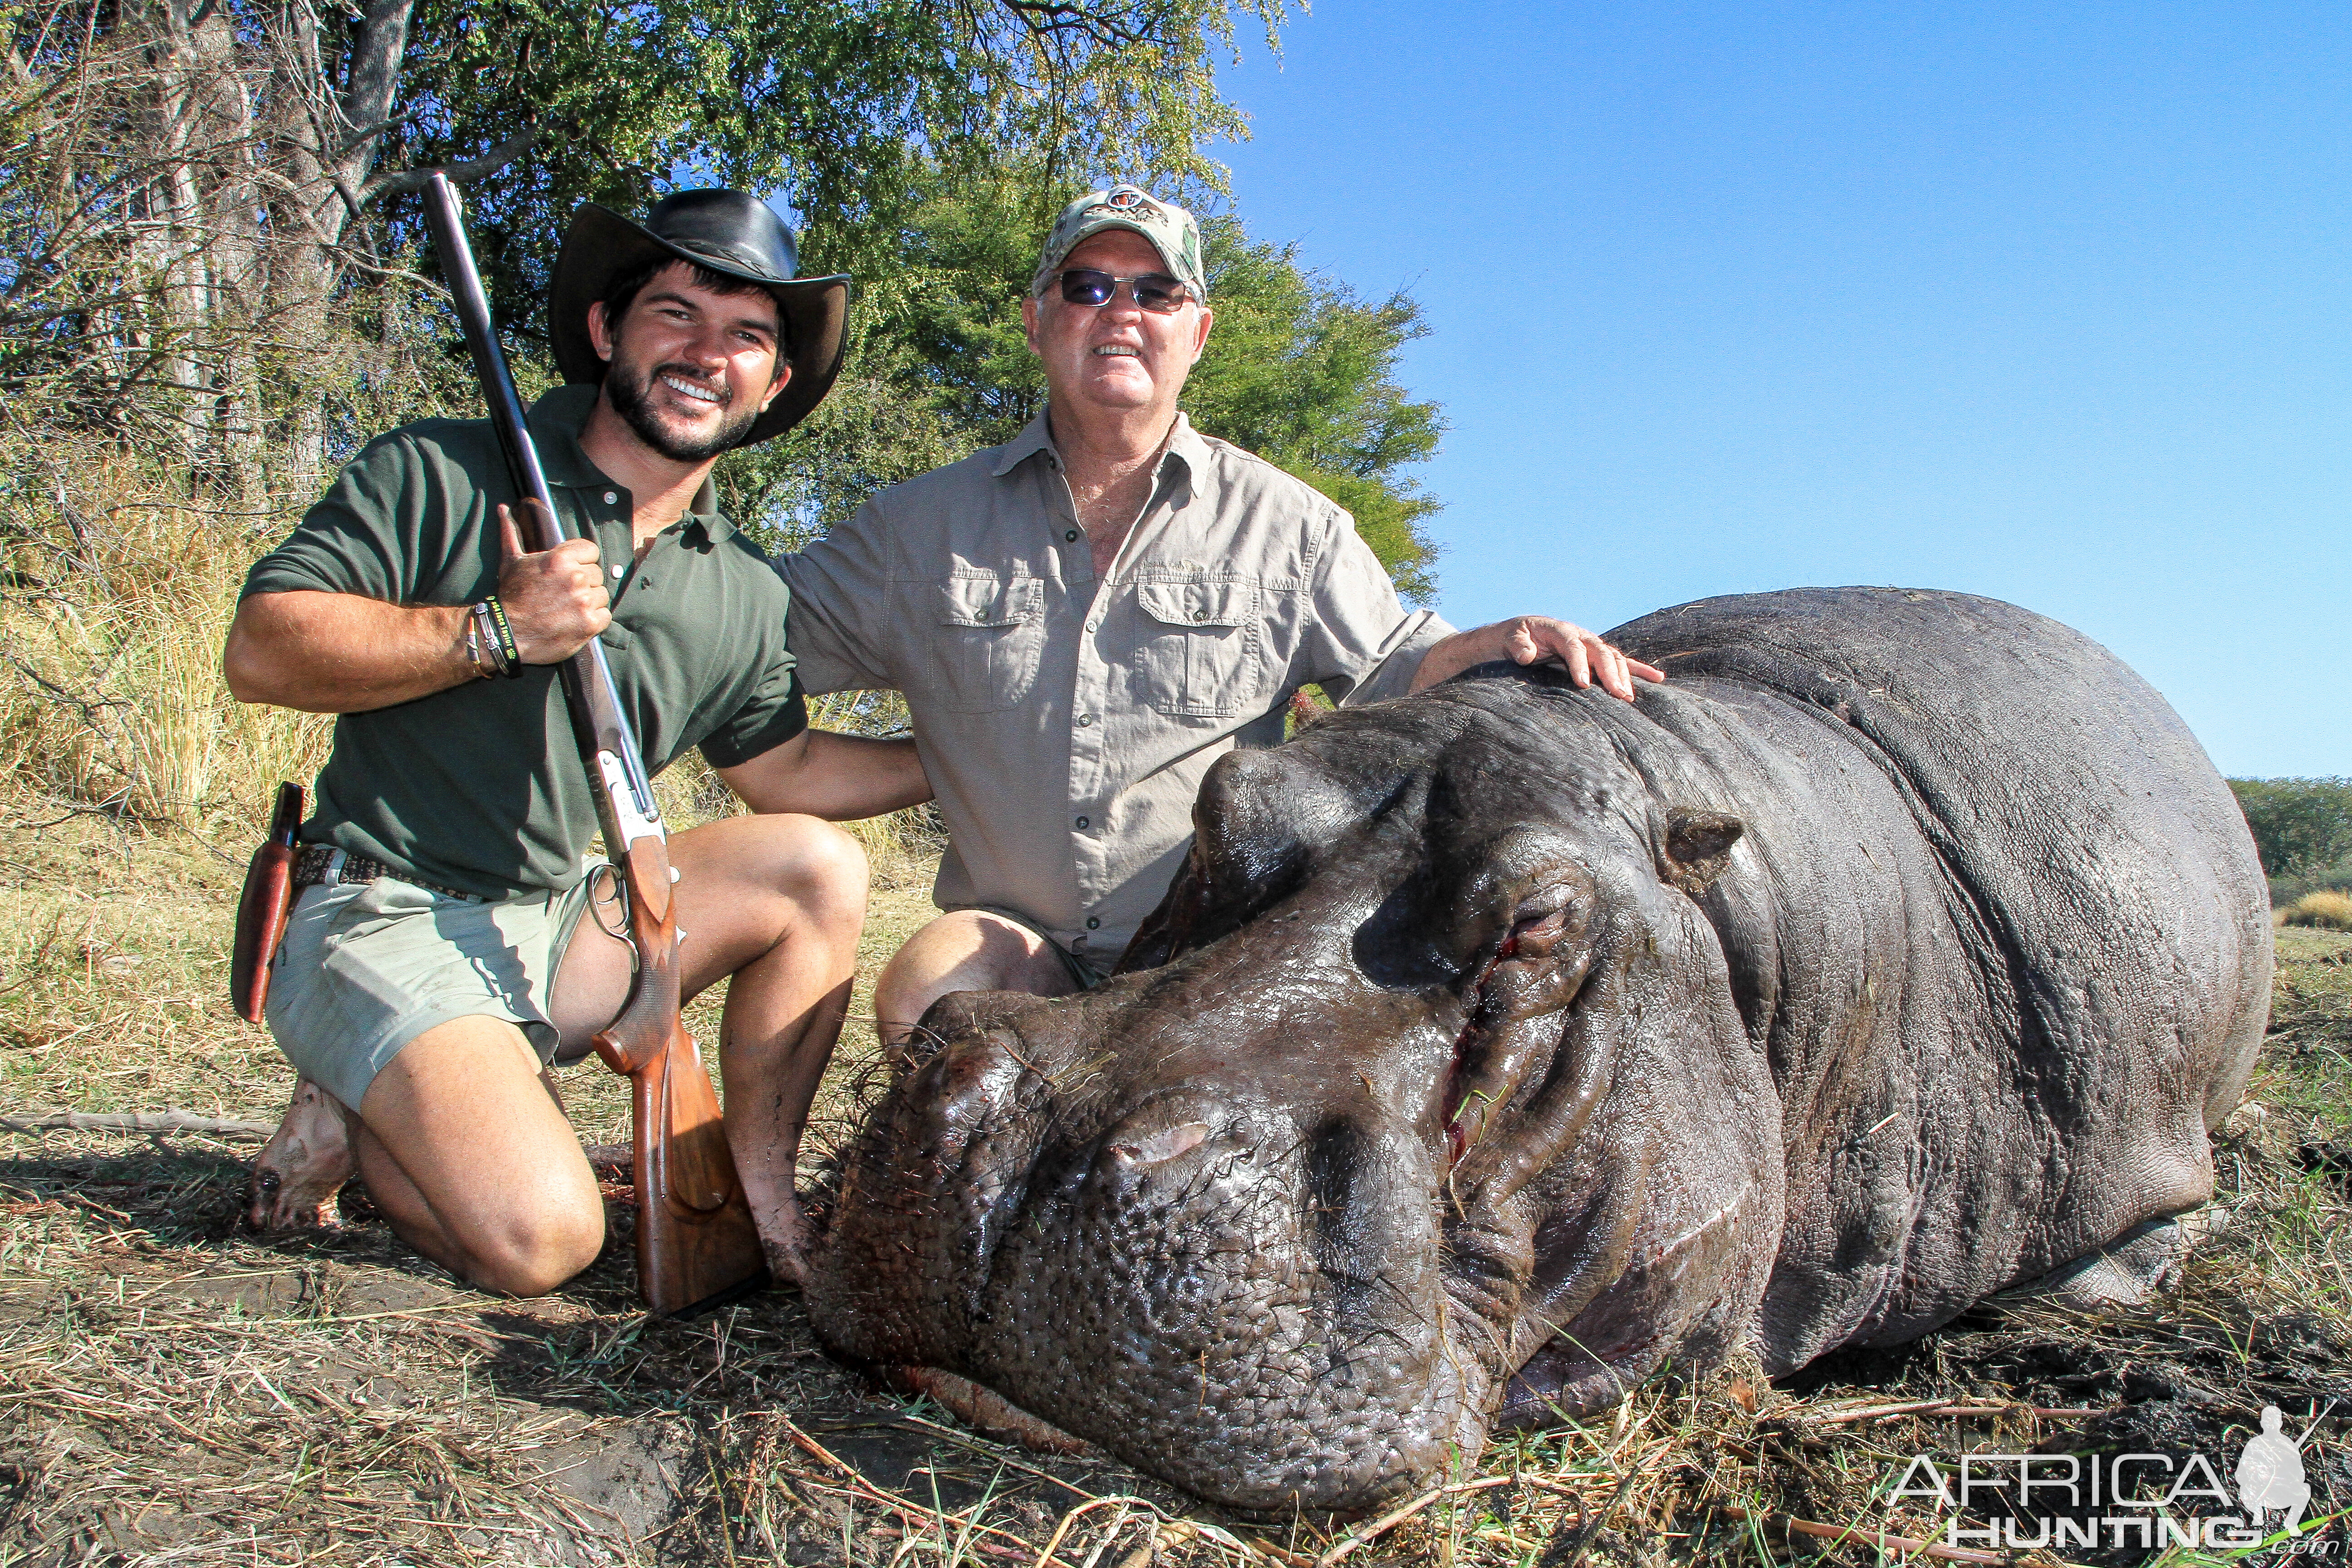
[2301, 826]
[213, 238]
[1302, 372]
[838, 108]
[186, 186]
[1299, 370]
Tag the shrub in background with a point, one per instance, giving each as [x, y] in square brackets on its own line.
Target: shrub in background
[2303, 830]
[2336, 878]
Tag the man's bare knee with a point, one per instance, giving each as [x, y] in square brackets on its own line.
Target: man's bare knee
[822, 871]
[532, 1255]
[968, 950]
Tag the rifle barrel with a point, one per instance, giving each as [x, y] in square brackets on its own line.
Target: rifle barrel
[603, 730]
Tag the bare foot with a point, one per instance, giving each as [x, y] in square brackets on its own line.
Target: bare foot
[304, 1166]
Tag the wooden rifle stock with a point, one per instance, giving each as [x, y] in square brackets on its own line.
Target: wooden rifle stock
[695, 1239]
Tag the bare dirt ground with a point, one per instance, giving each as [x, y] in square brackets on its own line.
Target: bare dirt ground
[174, 1391]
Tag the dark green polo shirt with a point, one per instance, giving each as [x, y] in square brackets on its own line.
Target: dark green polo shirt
[480, 787]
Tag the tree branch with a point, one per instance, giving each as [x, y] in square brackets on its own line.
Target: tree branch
[489, 163]
[172, 1120]
[1043, 17]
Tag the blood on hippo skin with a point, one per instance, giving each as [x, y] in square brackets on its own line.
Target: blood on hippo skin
[1498, 1044]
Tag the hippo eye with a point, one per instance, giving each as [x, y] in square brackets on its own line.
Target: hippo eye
[270, 1181]
[1536, 932]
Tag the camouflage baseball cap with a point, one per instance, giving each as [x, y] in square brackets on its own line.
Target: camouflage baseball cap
[1170, 229]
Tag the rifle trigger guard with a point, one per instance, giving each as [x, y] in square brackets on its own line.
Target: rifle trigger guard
[617, 928]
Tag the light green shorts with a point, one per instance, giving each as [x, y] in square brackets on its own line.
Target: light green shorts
[367, 967]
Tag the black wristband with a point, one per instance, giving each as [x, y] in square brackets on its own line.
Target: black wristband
[510, 655]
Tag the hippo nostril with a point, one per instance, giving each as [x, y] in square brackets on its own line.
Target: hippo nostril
[1165, 1145]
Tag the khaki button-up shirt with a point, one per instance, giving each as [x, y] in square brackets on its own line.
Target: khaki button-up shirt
[1065, 721]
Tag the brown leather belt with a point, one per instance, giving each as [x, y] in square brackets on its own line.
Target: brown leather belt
[318, 863]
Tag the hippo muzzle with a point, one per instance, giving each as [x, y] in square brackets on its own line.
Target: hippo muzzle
[1253, 1218]
[1235, 1284]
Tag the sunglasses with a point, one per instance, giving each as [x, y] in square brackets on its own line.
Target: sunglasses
[1154, 291]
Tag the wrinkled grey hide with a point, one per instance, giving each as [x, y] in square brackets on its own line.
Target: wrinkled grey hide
[1498, 1044]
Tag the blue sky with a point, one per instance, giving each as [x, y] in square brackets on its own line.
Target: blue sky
[2046, 303]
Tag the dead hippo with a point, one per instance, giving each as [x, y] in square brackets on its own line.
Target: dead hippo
[1498, 1044]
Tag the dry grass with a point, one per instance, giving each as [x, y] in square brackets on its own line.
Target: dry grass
[172, 1389]
[111, 701]
[2328, 910]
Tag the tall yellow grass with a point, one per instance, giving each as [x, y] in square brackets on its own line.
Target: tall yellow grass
[112, 700]
[2328, 910]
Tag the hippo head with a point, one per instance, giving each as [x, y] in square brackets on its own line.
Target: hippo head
[1425, 1065]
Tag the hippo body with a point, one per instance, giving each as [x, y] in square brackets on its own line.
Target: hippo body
[1497, 1045]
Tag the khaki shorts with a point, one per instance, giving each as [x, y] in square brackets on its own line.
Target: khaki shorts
[369, 966]
[1084, 972]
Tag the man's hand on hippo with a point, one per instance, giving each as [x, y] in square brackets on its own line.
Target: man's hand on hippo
[556, 599]
[1531, 639]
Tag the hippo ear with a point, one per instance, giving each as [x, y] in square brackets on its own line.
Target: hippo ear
[1698, 848]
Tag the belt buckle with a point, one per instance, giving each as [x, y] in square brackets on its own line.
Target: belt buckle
[332, 874]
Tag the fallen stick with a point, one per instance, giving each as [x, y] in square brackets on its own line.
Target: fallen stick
[1869, 1412]
[168, 1120]
[1943, 1407]
[1556, 1484]
[1397, 1516]
[995, 1453]
[810, 1446]
[1879, 1539]
[1123, 1502]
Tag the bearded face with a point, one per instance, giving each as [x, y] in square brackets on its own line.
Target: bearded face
[631, 390]
[690, 368]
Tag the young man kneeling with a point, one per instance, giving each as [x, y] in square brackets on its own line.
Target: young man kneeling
[452, 941]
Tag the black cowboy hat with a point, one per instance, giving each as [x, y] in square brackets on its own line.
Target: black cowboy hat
[732, 234]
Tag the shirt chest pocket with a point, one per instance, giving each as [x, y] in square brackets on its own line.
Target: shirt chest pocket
[1201, 639]
[985, 645]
